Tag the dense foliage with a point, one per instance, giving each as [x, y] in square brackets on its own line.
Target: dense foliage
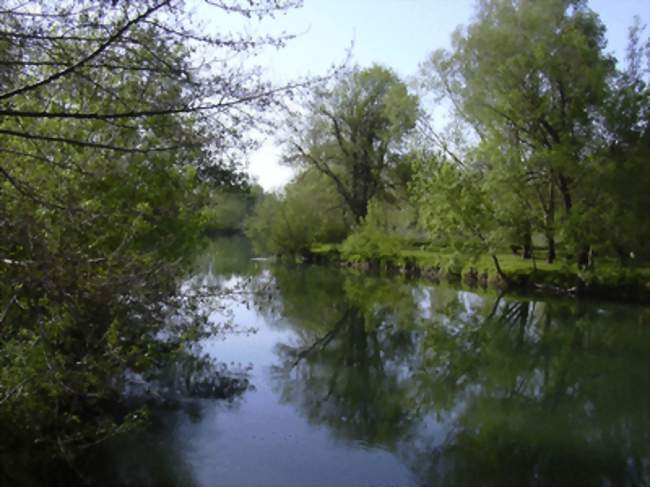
[113, 133]
[229, 207]
[353, 133]
[309, 211]
[555, 134]
[373, 239]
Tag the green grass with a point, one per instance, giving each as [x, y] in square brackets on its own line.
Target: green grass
[608, 276]
[324, 248]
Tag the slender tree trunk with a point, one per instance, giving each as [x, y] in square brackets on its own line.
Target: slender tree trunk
[499, 270]
[585, 254]
[550, 222]
[566, 193]
[528, 245]
[585, 257]
[550, 257]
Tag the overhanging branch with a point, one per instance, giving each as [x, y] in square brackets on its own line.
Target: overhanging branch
[86, 59]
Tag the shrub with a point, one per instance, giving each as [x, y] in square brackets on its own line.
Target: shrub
[371, 240]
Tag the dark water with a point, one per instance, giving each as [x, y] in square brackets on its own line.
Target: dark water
[367, 381]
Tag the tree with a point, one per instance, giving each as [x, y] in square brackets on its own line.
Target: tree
[100, 45]
[354, 133]
[623, 172]
[230, 207]
[531, 79]
[309, 211]
[457, 208]
[111, 128]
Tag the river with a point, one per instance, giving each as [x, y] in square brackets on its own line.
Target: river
[358, 380]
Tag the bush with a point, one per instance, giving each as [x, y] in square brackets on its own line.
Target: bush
[371, 240]
[309, 212]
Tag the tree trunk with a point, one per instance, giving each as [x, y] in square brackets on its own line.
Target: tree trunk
[550, 221]
[585, 258]
[566, 193]
[528, 246]
[499, 270]
[550, 258]
[360, 211]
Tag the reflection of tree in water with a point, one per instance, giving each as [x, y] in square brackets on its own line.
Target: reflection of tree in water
[544, 394]
[225, 258]
[521, 392]
[139, 458]
[143, 461]
[349, 366]
[345, 383]
[178, 394]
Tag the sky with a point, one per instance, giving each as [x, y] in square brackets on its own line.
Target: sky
[396, 33]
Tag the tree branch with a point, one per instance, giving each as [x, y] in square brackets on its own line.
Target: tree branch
[95, 145]
[88, 58]
[325, 169]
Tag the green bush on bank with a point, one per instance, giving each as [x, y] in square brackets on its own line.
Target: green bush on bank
[609, 278]
[289, 224]
[372, 241]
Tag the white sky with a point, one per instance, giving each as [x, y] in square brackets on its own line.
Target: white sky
[397, 33]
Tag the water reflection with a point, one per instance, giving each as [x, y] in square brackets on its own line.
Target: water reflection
[348, 369]
[225, 258]
[469, 389]
[366, 381]
[551, 393]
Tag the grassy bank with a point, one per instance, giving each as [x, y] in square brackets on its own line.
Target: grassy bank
[608, 279]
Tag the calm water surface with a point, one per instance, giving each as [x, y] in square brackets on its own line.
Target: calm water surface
[365, 381]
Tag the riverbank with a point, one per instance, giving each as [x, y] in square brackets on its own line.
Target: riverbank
[608, 280]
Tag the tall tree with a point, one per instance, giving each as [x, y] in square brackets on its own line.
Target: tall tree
[531, 79]
[353, 132]
[623, 172]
